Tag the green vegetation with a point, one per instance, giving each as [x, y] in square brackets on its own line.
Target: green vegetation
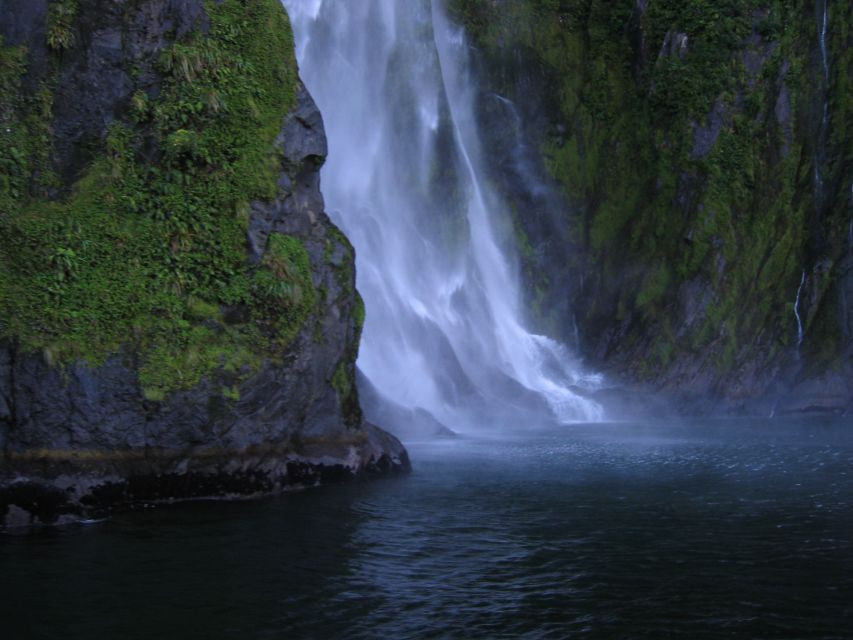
[360, 313]
[148, 255]
[25, 133]
[60, 24]
[341, 381]
[629, 96]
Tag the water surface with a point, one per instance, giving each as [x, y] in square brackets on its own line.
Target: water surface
[710, 530]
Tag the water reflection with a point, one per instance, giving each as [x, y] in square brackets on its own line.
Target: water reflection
[713, 530]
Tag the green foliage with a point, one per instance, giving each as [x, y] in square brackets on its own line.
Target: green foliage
[231, 393]
[655, 287]
[25, 133]
[627, 92]
[343, 269]
[60, 24]
[344, 384]
[360, 313]
[146, 254]
[283, 286]
[341, 381]
[14, 150]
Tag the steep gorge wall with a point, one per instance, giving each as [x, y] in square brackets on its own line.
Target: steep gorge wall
[704, 190]
[178, 315]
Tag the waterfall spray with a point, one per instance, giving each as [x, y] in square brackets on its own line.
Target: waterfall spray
[445, 331]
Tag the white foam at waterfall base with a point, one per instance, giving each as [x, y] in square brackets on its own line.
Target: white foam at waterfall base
[445, 330]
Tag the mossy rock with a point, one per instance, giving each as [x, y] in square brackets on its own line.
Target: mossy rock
[148, 247]
[684, 135]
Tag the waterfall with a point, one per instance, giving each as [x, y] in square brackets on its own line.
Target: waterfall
[797, 311]
[820, 151]
[445, 331]
[824, 19]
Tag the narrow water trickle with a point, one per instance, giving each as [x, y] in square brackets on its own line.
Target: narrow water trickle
[822, 39]
[797, 311]
[445, 334]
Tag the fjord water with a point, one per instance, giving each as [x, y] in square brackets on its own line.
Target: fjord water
[715, 530]
[445, 332]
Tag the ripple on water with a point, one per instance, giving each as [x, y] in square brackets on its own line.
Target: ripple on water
[597, 532]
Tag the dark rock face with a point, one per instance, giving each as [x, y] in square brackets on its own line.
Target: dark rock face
[705, 137]
[79, 440]
[54, 487]
[111, 44]
[303, 145]
[702, 158]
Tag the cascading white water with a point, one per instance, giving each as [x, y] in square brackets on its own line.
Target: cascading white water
[444, 333]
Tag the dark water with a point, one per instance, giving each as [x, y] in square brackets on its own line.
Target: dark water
[740, 530]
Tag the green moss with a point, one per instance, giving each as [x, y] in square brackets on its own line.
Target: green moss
[60, 24]
[341, 381]
[231, 393]
[144, 255]
[25, 133]
[284, 287]
[654, 288]
[15, 151]
[343, 268]
[198, 309]
[360, 313]
[344, 384]
[649, 215]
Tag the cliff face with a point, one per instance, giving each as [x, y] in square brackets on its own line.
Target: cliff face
[703, 156]
[178, 314]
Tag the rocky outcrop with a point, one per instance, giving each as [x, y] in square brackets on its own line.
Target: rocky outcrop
[703, 158]
[275, 407]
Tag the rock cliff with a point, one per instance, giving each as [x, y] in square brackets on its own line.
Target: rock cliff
[178, 315]
[697, 243]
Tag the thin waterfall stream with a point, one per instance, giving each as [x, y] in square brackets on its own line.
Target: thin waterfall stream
[797, 311]
[445, 339]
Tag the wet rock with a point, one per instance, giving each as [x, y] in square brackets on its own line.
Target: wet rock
[115, 52]
[16, 518]
[80, 440]
[705, 137]
[675, 43]
[829, 393]
[409, 424]
[782, 111]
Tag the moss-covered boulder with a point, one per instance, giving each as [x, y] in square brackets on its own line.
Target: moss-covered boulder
[178, 315]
